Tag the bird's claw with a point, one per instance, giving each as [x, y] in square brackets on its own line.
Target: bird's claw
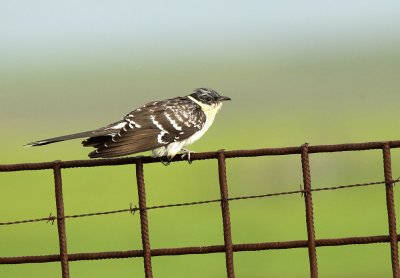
[165, 163]
[187, 153]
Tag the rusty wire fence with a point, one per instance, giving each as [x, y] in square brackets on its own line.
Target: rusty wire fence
[228, 247]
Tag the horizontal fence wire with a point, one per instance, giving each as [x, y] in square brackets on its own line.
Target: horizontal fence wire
[200, 156]
[229, 247]
[133, 209]
[196, 250]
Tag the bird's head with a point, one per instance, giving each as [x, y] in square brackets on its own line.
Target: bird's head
[208, 96]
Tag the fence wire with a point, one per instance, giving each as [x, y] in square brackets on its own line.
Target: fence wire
[133, 208]
[228, 248]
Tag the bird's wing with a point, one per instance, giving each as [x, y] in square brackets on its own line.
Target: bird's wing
[151, 126]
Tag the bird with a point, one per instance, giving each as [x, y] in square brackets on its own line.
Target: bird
[164, 127]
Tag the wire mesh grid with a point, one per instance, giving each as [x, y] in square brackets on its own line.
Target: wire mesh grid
[228, 248]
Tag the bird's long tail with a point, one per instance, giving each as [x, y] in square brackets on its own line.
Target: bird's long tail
[63, 138]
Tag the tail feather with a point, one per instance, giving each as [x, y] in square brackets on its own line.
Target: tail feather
[62, 138]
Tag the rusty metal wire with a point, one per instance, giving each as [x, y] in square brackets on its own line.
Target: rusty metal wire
[62, 237]
[387, 167]
[228, 248]
[144, 225]
[226, 221]
[133, 209]
[312, 251]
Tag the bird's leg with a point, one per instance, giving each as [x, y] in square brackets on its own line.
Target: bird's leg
[187, 153]
[166, 163]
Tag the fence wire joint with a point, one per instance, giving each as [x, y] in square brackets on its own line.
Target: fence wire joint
[302, 191]
[51, 219]
[133, 209]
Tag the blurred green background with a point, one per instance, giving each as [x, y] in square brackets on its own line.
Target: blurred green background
[322, 72]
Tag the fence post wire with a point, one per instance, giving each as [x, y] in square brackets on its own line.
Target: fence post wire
[144, 225]
[312, 252]
[387, 165]
[226, 214]
[62, 234]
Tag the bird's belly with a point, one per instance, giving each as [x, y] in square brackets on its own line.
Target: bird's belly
[196, 136]
[159, 152]
[170, 150]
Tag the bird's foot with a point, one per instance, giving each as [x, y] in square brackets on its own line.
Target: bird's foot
[166, 163]
[187, 153]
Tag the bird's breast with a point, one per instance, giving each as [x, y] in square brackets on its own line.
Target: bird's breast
[210, 113]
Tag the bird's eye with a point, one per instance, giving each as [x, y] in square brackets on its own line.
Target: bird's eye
[208, 98]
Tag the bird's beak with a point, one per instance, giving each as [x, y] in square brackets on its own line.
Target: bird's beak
[222, 98]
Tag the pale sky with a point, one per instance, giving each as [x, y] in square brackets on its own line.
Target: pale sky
[46, 25]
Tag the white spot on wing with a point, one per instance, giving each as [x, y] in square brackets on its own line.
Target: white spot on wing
[118, 126]
[161, 128]
[134, 123]
[177, 115]
[172, 121]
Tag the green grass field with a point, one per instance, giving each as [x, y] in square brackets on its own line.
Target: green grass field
[314, 100]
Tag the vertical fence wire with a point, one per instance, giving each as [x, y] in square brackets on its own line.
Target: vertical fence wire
[144, 226]
[62, 235]
[312, 253]
[387, 166]
[225, 214]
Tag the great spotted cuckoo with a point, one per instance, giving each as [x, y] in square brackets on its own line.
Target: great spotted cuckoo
[164, 127]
